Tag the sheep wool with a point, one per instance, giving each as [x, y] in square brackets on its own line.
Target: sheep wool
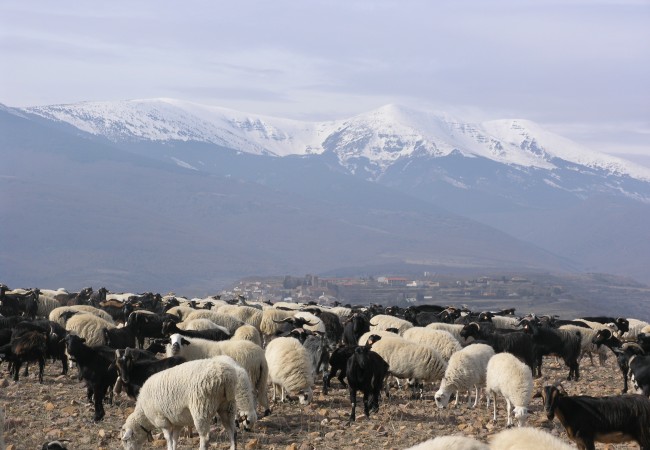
[289, 368]
[192, 393]
[229, 322]
[243, 394]
[441, 340]
[410, 360]
[466, 370]
[534, 439]
[56, 313]
[247, 333]
[508, 376]
[247, 354]
[269, 326]
[89, 327]
[248, 314]
[182, 311]
[450, 443]
[384, 322]
[452, 328]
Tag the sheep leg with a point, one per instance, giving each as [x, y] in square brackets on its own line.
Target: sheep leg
[509, 412]
[227, 413]
[169, 438]
[494, 400]
[16, 369]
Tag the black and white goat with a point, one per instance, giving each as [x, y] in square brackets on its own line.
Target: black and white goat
[134, 369]
[614, 419]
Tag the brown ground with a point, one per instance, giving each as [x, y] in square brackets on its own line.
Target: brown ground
[57, 409]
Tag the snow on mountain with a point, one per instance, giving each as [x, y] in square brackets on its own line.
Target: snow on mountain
[372, 141]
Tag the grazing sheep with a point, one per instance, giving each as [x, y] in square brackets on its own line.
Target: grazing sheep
[441, 340]
[229, 322]
[192, 393]
[57, 313]
[182, 311]
[415, 362]
[513, 379]
[247, 333]
[200, 325]
[247, 314]
[247, 354]
[452, 328]
[89, 327]
[384, 322]
[534, 439]
[290, 370]
[450, 443]
[246, 414]
[466, 370]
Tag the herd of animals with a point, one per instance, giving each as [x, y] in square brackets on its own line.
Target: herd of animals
[187, 362]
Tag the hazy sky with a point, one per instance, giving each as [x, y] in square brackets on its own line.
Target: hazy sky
[579, 67]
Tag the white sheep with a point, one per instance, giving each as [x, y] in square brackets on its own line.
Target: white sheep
[415, 362]
[382, 334]
[384, 322]
[247, 354]
[182, 311]
[290, 370]
[527, 438]
[636, 326]
[56, 313]
[506, 322]
[288, 305]
[341, 311]
[441, 340]
[466, 371]
[192, 393]
[247, 416]
[229, 322]
[46, 305]
[508, 376]
[452, 328]
[315, 324]
[89, 327]
[450, 443]
[247, 333]
[272, 322]
[247, 314]
[200, 324]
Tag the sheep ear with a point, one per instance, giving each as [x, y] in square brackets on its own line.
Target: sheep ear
[185, 341]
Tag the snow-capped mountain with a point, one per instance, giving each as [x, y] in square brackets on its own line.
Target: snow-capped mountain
[367, 144]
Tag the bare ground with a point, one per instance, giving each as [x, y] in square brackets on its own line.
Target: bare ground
[57, 409]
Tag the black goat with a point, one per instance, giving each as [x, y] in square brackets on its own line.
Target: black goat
[518, 343]
[55, 445]
[170, 327]
[338, 361]
[640, 373]
[551, 341]
[622, 351]
[55, 334]
[354, 328]
[97, 368]
[29, 346]
[614, 419]
[366, 371]
[148, 324]
[133, 372]
[332, 323]
[120, 337]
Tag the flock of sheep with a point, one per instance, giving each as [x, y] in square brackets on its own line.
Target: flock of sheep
[221, 358]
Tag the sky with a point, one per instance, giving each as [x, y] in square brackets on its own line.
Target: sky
[580, 68]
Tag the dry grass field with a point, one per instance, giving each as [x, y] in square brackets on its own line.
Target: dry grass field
[57, 409]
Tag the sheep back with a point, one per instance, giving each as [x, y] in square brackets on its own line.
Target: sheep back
[289, 364]
[248, 314]
[450, 443]
[534, 439]
[229, 322]
[89, 327]
[508, 376]
[468, 367]
[441, 340]
[384, 322]
[247, 333]
[410, 360]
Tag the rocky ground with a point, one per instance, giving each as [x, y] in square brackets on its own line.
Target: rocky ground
[56, 409]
